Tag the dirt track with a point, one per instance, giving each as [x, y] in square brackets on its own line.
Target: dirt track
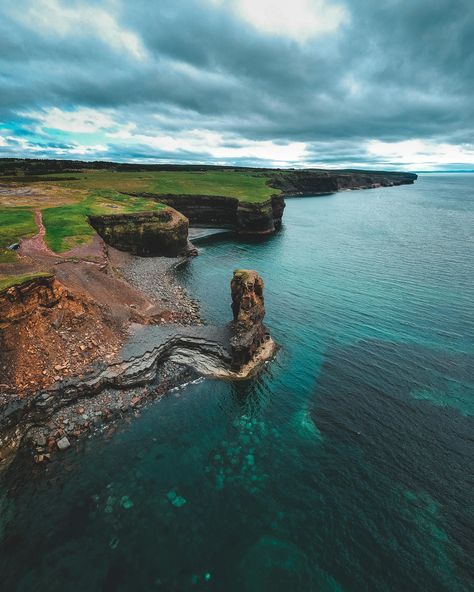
[97, 307]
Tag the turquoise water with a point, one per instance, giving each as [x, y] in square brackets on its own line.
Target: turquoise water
[346, 465]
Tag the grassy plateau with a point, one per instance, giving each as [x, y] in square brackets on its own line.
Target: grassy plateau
[66, 199]
[245, 186]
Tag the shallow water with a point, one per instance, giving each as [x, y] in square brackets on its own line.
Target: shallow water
[346, 465]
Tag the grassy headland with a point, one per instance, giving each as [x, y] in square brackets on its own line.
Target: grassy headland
[67, 225]
[245, 186]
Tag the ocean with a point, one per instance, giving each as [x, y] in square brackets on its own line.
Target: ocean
[346, 464]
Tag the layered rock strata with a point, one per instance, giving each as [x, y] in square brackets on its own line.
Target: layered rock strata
[249, 332]
[246, 218]
[314, 182]
[164, 232]
[47, 310]
[19, 301]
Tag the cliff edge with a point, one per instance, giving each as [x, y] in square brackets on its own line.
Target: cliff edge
[144, 233]
[317, 182]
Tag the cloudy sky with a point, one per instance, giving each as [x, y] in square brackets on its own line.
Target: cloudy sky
[360, 83]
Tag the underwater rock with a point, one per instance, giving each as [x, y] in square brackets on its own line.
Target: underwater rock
[176, 500]
[248, 309]
[126, 502]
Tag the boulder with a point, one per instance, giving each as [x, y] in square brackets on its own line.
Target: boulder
[63, 443]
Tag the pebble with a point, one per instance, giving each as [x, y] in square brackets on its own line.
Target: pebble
[63, 443]
[40, 440]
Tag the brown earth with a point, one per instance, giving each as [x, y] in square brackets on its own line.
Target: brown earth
[48, 333]
[249, 332]
[54, 329]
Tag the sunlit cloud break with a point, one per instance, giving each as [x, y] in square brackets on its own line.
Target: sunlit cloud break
[323, 83]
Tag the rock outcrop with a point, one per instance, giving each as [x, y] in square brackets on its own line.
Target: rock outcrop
[317, 182]
[249, 333]
[43, 381]
[246, 218]
[19, 301]
[163, 232]
[47, 334]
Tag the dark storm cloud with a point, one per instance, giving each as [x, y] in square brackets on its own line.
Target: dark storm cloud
[394, 71]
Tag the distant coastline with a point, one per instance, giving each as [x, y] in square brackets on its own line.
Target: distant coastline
[75, 282]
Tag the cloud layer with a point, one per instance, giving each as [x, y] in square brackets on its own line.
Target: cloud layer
[261, 82]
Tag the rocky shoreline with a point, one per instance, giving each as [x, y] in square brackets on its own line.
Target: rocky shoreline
[154, 359]
[103, 331]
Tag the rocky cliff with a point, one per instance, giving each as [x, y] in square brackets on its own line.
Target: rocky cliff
[246, 218]
[314, 182]
[17, 302]
[249, 333]
[164, 232]
[47, 333]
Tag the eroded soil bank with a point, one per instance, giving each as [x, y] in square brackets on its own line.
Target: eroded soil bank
[100, 336]
[71, 322]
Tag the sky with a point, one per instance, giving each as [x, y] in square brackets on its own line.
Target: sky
[383, 84]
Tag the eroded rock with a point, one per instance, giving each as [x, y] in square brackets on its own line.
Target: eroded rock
[248, 309]
[163, 232]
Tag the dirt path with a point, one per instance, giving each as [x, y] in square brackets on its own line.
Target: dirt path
[36, 245]
[87, 269]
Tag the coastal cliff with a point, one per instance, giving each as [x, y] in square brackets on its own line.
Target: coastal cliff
[144, 233]
[48, 333]
[314, 182]
[249, 218]
[246, 218]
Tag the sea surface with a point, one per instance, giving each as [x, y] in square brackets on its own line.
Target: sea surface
[347, 464]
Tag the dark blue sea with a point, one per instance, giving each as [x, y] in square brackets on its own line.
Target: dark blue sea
[347, 464]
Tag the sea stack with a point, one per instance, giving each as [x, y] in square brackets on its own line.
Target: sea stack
[249, 333]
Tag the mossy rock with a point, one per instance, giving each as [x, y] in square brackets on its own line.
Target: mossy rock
[144, 233]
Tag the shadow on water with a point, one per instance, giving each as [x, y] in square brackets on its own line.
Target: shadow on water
[345, 465]
[411, 451]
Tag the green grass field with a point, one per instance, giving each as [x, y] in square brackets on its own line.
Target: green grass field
[245, 186]
[67, 226]
[102, 191]
[15, 223]
[66, 202]
[9, 281]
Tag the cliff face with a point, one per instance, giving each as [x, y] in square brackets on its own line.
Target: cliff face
[48, 333]
[248, 309]
[293, 183]
[144, 233]
[228, 212]
[203, 209]
[18, 302]
[278, 207]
